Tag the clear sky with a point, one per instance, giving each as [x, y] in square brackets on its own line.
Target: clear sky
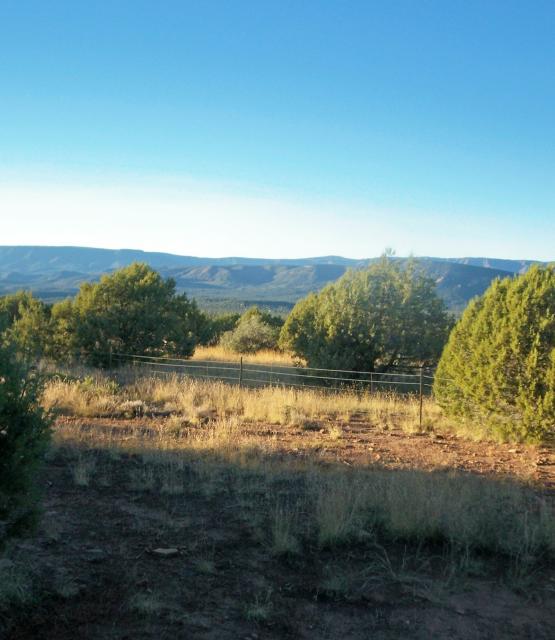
[278, 128]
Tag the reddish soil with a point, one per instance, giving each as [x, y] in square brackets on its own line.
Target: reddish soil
[363, 444]
[93, 557]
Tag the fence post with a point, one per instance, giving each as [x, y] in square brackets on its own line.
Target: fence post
[241, 371]
[371, 382]
[421, 389]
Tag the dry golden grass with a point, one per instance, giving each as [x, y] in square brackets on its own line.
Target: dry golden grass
[196, 400]
[210, 435]
[265, 356]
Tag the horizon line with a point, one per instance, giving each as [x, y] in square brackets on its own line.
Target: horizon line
[239, 257]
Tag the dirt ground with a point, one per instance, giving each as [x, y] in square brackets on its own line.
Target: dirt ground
[363, 444]
[99, 572]
[394, 449]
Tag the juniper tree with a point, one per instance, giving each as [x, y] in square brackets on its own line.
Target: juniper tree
[133, 310]
[24, 432]
[497, 371]
[372, 319]
[25, 322]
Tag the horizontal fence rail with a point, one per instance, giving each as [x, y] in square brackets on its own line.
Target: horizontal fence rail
[243, 373]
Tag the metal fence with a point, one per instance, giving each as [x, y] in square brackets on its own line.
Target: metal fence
[250, 374]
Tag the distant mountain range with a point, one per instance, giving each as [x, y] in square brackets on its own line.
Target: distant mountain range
[53, 273]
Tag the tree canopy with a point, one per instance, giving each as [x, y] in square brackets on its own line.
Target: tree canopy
[497, 371]
[25, 322]
[372, 319]
[134, 310]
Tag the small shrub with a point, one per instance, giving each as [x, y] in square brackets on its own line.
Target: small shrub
[16, 587]
[336, 432]
[146, 604]
[250, 335]
[171, 477]
[24, 436]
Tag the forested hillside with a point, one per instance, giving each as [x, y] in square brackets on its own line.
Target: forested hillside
[53, 273]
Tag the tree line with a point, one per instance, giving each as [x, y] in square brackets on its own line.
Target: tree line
[496, 364]
[369, 320]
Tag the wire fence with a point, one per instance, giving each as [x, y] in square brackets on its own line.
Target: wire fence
[419, 381]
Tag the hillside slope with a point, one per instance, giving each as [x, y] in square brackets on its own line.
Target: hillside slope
[56, 272]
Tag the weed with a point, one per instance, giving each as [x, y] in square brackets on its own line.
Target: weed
[16, 586]
[260, 609]
[284, 540]
[171, 478]
[146, 604]
[336, 511]
[206, 566]
[83, 469]
[335, 431]
[142, 479]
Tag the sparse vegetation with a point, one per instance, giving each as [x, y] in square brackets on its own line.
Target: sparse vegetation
[83, 469]
[463, 511]
[224, 486]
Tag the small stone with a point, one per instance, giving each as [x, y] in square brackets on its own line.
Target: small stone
[169, 552]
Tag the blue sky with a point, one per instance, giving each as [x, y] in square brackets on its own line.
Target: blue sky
[280, 129]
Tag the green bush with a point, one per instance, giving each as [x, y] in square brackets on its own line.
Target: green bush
[134, 311]
[251, 335]
[369, 320]
[497, 371]
[25, 322]
[24, 434]
[255, 330]
[215, 326]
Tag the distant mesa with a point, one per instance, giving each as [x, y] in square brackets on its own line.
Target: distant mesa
[56, 272]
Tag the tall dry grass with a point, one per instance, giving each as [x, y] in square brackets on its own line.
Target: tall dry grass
[207, 439]
[194, 399]
[264, 356]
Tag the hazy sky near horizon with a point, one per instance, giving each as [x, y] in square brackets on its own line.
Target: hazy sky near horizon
[279, 128]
